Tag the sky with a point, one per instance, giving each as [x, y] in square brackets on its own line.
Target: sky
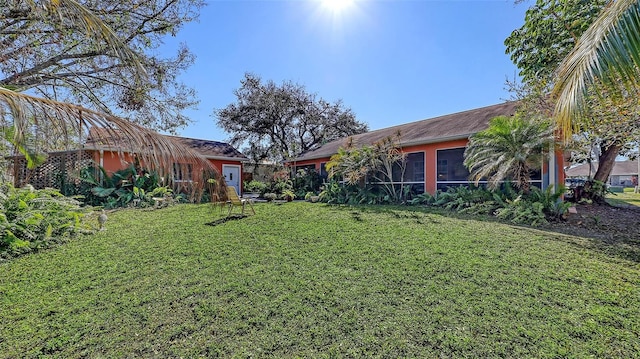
[391, 62]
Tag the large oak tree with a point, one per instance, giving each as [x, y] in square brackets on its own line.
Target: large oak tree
[279, 122]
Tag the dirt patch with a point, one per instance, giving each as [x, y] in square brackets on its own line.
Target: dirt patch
[604, 221]
[222, 220]
[615, 230]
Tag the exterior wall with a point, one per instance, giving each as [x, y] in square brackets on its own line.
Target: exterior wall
[430, 160]
[316, 162]
[111, 162]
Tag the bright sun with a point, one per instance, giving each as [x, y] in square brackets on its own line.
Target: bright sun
[337, 6]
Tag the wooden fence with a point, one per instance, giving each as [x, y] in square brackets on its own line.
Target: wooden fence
[59, 171]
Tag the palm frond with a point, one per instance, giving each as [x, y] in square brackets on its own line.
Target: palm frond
[608, 52]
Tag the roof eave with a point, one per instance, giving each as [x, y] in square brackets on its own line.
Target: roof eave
[220, 158]
[403, 144]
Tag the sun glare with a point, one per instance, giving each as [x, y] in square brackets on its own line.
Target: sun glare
[337, 6]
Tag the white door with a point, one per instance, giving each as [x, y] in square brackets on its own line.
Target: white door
[231, 175]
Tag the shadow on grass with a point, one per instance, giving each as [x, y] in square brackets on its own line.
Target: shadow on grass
[223, 220]
[590, 234]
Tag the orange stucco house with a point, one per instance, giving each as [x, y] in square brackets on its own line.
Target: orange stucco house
[434, 149]
[228, 160]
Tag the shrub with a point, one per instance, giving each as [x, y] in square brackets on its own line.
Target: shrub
[129, 187]
[255, 186]
[536, 208]
[33, 219]
[423, 198]
[306, 180]
[270, 196]
[522, 211]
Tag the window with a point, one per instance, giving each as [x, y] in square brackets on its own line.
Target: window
[451, 171]
[414, 170]
[182, 172]
[323, 171]
[414, 173]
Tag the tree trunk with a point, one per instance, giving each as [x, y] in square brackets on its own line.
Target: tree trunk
[605, 163]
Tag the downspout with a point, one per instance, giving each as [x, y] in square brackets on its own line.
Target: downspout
[552, 168]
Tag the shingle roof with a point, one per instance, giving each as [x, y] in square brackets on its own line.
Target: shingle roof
[210, 148]
[448, 127]
[620, 168]
[99, 139]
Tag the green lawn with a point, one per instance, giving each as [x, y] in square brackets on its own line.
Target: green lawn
[310, 280]
[625, 198]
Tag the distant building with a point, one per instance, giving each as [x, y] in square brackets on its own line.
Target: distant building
[624, 173]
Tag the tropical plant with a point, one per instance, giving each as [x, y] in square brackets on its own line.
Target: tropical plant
[130, 186]
[388, 166]
[551, 31]
[382, 164]
[511, 148]
[306, 180]
[288, 195]
[33, 219]
[255, 186]
[334, 193]
[424, 198]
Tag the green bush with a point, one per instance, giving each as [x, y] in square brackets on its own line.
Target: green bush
[129, 187]
[536, 208]
[255, 186]
[270, 196]
[33, 219]
[306, 180]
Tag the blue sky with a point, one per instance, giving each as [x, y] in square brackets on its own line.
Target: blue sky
[391, 62]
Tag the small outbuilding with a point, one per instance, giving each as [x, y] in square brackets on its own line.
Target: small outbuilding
[60, 166]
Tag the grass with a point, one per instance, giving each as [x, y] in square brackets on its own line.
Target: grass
[626, 198]
[309, 280]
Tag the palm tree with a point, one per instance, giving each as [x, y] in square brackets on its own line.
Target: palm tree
[608, 53]
[37, 117]
[511, 148]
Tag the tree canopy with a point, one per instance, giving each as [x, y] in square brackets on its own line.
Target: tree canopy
[279, 122]
[99, 54]
[550, 31]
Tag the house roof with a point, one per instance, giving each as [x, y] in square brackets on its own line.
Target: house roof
[444, 128]
[620, 168]
[99, 139]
